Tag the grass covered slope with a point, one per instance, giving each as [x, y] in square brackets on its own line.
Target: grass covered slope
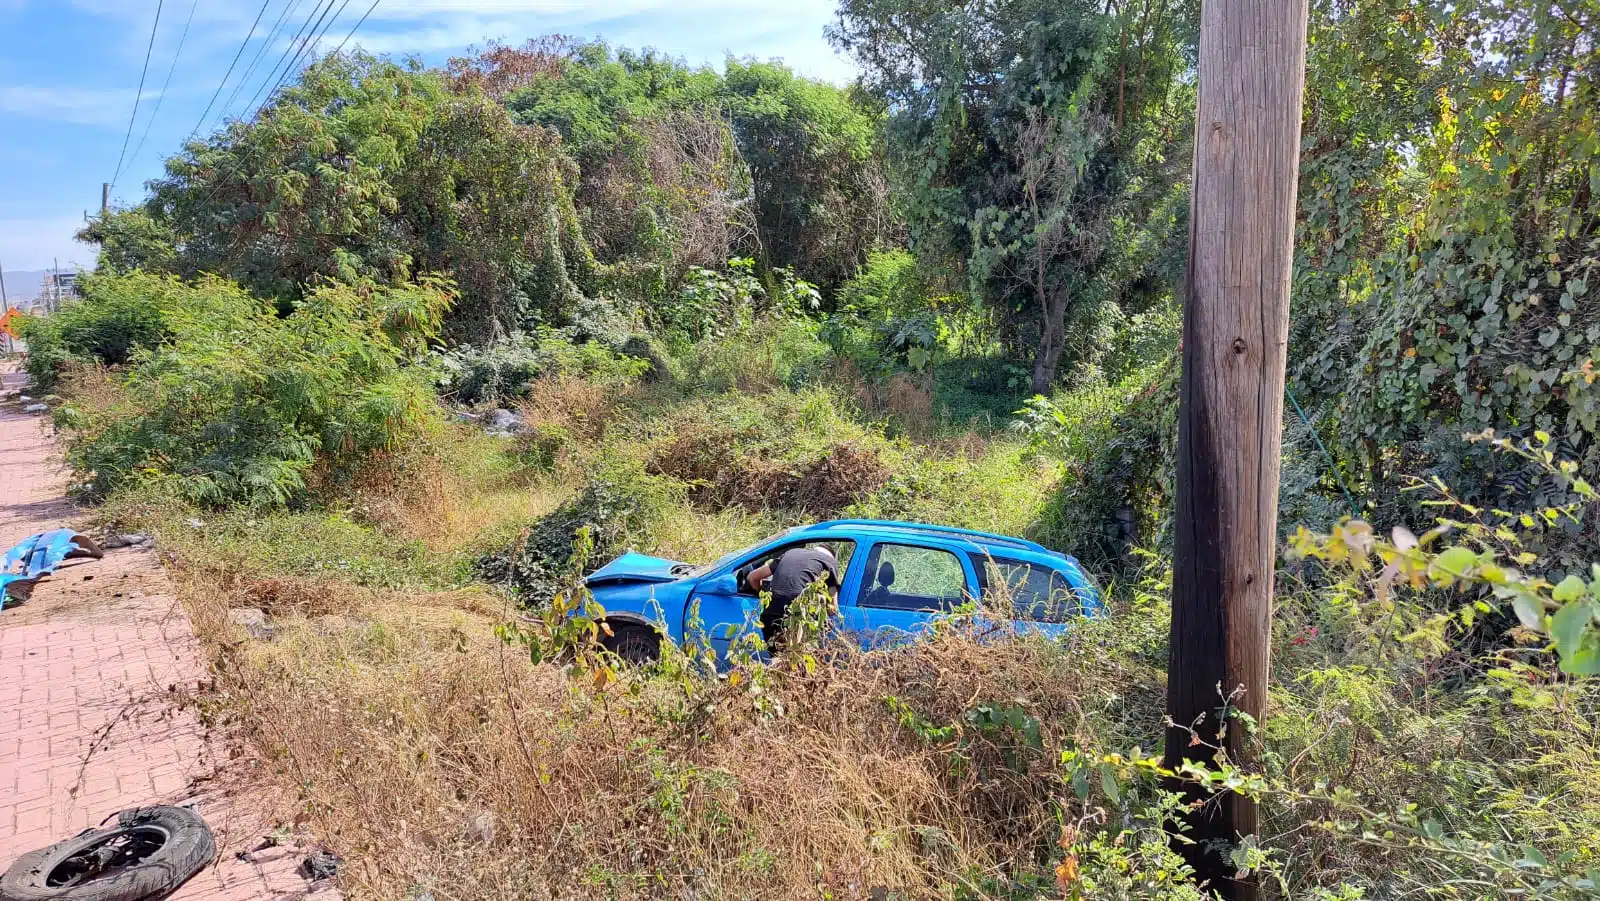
[684, 307]
[450, 739]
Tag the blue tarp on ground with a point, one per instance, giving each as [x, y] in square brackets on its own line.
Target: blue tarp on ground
[38, 556]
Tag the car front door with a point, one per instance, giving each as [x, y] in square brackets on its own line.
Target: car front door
[728, 609]
[901, 586]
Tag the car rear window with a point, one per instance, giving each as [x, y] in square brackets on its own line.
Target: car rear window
[1026, 591]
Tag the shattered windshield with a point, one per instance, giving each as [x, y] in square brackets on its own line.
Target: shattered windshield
[713, 566]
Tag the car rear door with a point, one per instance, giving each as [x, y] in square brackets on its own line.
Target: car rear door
[901, 585]
[1034, 597]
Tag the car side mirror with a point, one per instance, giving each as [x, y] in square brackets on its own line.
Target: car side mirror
[727, 583]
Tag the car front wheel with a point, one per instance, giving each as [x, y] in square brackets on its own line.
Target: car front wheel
[634, 643]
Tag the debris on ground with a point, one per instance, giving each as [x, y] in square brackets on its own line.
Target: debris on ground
[503, 423]
[148, 853]
[320, 864]
[254, 621]
[37, 556]
[36, 408]
[128, 539]
[480, 828]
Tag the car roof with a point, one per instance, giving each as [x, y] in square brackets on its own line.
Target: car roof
[983, 542]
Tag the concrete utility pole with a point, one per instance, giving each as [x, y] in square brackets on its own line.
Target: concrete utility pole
[1235, 337]
[105, 198]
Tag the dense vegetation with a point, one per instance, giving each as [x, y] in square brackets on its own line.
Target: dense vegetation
[418, 346]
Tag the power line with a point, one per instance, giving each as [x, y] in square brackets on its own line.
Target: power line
[358, 25]
[295, 65]
[224, 83]
[217, 188]
[316, 42]
[283, 16]
[274, 77]
[168, 82]
[139, 93]
[307, 35]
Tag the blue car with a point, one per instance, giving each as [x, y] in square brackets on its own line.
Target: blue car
[895, 579]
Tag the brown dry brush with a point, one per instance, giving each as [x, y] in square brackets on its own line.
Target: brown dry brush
[721, 475]
[435, 757]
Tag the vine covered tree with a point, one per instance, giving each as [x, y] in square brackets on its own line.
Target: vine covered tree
[1037, 142]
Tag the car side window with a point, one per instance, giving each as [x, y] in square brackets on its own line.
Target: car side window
[909, 577]
[1029, 591]
[843, 550]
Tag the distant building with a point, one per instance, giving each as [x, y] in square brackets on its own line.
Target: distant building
[57, 288]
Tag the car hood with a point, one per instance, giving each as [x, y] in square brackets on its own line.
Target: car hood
[633, 567]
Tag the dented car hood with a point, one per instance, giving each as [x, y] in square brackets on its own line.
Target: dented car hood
[634, 567]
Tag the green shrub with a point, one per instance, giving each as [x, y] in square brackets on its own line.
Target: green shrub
[239, 405]
[1115, 446]
[778, 351]
[312, 544]
[505, 369]
[116, 317]
[1141, 340]
[620, 507]
[889, 286]
[996, 487]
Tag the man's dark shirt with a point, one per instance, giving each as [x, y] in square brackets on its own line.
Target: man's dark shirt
[798, 568]
[791, 573]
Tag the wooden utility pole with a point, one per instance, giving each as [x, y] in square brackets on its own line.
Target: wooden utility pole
[1235, 337]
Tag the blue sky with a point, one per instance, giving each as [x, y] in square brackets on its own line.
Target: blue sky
[69, 70]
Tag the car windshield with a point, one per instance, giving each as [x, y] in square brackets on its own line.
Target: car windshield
[725, 559]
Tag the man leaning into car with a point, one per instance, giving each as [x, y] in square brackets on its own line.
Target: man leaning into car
[790, 573]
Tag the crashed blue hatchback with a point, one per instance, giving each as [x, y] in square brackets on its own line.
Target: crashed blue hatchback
[896, 578]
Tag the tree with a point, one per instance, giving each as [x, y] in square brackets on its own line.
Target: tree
[370, 170]
[490, 202]
[964, 82]
[499, 71]
[799, 182]
[1049, 230]
[821, 196]
[306, 189]
[131, 239]
[1448, 279]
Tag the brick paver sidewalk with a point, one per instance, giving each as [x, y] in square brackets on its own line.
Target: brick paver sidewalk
[93, 671]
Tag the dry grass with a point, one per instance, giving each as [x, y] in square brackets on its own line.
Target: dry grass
[437, 759]
[720, 475]
[572, 405]
[433, 756]
[905, 399]
[451, 490]
[688, 533]
[92, 387]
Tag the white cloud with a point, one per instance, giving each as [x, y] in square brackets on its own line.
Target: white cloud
[107, 107]
[699, 30]
[40, 243]
[454, 35]
[411, 9]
